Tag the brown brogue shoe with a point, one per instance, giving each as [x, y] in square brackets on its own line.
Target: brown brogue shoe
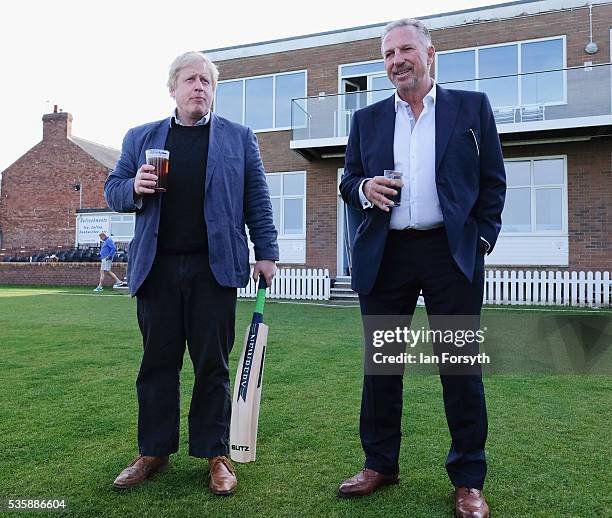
[470, 503]
[222, 476]
[365, 483]
[139, 470]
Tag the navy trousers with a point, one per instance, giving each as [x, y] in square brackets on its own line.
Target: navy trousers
[415, 261]
[181, 302]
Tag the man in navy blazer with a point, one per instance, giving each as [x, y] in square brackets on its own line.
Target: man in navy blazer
[446, 145]
[188, 256]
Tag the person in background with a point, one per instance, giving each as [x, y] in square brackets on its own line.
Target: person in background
[107, 253]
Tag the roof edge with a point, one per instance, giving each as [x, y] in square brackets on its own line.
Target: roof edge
[434, 22]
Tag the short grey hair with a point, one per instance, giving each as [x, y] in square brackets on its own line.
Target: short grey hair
[189, 58]
[407, 22]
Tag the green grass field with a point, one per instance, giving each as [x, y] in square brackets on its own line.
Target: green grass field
[68, 421]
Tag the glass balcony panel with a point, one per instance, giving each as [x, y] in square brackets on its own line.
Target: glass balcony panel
[288, 86]
[582, 98]
[493, 63]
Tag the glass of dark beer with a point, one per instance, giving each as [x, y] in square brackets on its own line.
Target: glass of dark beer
[159, 158]
[395, 175]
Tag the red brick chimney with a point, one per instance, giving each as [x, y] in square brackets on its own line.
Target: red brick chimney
[57, 125]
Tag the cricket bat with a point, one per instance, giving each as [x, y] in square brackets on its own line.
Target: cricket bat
[247, 385]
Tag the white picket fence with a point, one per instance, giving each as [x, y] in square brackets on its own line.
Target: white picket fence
[545, 288]
[290, 283]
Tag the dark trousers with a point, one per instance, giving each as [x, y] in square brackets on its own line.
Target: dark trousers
[413, 262]
[180, 302]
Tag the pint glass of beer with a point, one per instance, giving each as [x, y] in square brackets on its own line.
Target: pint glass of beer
[159, 158]
[395, 175]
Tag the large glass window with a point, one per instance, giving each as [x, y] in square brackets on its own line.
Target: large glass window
[262, 103]
[458, 68]
[535, 197]
[228, 100]
[526, 63]
[495, 62]
[288, 195]
[258, 104]
[362, 84]
[289, 86]
[542, 87]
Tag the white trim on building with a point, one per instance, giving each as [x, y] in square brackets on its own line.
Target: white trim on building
[433, 22]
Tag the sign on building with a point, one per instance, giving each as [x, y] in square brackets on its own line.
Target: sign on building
[90, 224]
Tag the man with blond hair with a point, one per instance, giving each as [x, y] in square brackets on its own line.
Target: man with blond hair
[188, 256]
[433, 241]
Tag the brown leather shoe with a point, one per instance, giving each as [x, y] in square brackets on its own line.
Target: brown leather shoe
[365, 483]
[222, 476]
[139, 470]
[470, 503]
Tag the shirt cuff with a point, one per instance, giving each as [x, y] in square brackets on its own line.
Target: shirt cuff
[365, 203]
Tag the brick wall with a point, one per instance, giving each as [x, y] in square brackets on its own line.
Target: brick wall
[322, 62]
[54, 274]
[38, 203]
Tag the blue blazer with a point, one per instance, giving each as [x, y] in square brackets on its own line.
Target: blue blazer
[470, 178]
[236, 193]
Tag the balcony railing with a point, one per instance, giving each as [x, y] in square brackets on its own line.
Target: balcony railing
[564, 98]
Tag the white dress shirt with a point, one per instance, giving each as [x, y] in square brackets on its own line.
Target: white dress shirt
[414, 154]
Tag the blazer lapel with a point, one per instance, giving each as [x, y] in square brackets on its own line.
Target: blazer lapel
[217, 127]
[385, 128]
[160, 135]
[447, 109]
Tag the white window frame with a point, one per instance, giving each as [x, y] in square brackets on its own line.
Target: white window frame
[282, 197]
[518, 43]
[368, 76]
[274, 76]
[533, 188]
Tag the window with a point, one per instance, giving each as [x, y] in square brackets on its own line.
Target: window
[536, 196]
[122, 226]
[361, 77]
[263, 103]
[288, 195]
[482, 69]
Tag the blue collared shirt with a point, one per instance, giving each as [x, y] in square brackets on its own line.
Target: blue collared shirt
[202, 122]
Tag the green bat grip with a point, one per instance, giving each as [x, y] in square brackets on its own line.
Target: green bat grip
[261, 295]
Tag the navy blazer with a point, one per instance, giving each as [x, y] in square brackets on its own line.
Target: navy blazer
[470, 178]
[236, 193]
